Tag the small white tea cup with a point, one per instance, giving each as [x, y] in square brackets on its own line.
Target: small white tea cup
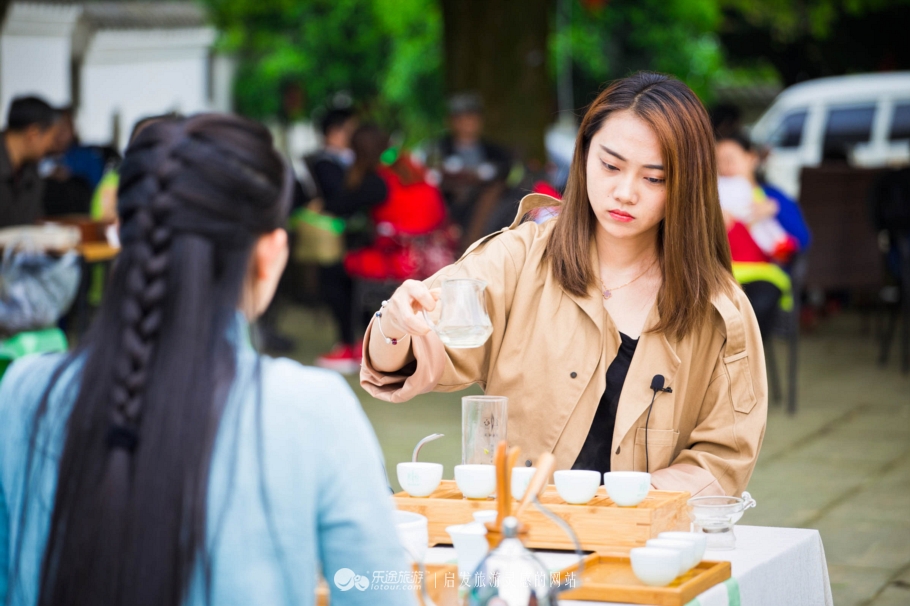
[685, 548]
[419, 479]
[700, 540]
[475, 481]
[627, 488]
[413, 534]
[521, 477]
[470, 543]
[487, 515]
[655, 567]
[577, 486]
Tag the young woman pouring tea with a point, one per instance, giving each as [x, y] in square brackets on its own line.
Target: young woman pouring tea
[617, 324]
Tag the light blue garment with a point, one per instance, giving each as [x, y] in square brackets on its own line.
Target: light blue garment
[322, 473]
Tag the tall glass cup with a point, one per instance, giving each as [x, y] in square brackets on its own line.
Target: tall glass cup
[483, 426]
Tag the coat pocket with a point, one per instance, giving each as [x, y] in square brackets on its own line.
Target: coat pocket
[740, 376]
[661, 448]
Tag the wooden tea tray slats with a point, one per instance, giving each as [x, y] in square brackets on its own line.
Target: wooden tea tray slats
[610, 579]
[601, 525]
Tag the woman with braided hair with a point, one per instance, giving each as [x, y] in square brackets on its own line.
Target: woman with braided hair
[165, 462]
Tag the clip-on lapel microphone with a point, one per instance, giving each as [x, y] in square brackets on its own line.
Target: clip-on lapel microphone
[657, 385]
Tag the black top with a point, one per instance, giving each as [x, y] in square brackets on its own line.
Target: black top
[339, 199]
[596, 451]
[21, 192]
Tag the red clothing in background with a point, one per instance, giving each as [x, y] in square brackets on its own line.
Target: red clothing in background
[743, 248]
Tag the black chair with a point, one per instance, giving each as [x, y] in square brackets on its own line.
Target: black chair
[890, 205]
[787, 327]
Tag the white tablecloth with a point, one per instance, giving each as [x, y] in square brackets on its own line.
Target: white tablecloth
[771, 567]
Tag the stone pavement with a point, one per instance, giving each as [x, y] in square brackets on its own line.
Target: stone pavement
[841, 465]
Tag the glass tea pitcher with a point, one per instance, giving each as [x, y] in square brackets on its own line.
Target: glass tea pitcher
[463, 321]
[484, 422]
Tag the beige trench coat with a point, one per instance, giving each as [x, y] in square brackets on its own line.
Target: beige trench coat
[549, 353]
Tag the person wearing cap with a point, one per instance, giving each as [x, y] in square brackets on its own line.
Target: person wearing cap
[472, 170]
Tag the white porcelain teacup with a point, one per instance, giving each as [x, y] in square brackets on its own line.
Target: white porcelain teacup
[655, 567]
[484, 516]
[521, 477]
[700, 540]
[577, 486]
[470, 543]
[686, 549]
[419, 479]
[413, 533]
[627, 488]
[476, 481]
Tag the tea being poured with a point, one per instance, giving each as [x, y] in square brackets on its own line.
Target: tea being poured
[463, 320]
[465, 337]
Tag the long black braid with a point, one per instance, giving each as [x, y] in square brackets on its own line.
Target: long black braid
[129, 519]
[148, 240]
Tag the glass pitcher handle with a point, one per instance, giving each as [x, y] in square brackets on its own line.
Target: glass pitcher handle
[429, 322]
[748, 501]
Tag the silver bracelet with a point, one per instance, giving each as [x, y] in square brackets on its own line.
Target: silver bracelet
[378, 314]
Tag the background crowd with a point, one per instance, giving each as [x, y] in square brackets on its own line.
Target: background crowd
[371, 213]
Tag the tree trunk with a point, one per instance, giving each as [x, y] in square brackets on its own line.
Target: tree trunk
[498, 49]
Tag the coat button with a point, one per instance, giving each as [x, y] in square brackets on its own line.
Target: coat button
[618, 448]
[528, 463]
[573, 375]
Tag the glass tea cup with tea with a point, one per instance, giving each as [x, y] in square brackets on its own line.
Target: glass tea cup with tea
[463, 319]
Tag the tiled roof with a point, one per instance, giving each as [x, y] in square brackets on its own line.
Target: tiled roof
[135, 15]
[143, 15]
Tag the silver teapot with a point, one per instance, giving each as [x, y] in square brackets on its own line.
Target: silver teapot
[511, 575]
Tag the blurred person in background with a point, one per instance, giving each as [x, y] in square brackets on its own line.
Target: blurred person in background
[84, 161]
[761, 275]
[413, 238]
[726, 119]
[328, 165]
[165, 461]
[472, 170]
[71, 171]
[348, 193]
[30, 135]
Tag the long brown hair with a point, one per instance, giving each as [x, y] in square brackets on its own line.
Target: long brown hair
[691, 242]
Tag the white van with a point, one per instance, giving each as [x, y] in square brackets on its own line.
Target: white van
[867, 114]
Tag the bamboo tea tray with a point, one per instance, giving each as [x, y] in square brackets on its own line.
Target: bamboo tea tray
[610, 579]
[600, 524]
[442, 586]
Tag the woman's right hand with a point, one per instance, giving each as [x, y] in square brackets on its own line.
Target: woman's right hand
[402, 315]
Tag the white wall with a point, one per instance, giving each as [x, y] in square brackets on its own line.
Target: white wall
[224, 69]
[35, 50]
[128, 75]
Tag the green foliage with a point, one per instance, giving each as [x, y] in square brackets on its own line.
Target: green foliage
[385, 54]
[789, 20]
[671, 36]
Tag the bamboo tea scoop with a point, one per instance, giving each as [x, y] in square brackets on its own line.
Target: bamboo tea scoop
[505, 460]
[545, 465]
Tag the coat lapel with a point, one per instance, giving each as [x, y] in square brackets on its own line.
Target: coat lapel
[654, 355]
[592, 304]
